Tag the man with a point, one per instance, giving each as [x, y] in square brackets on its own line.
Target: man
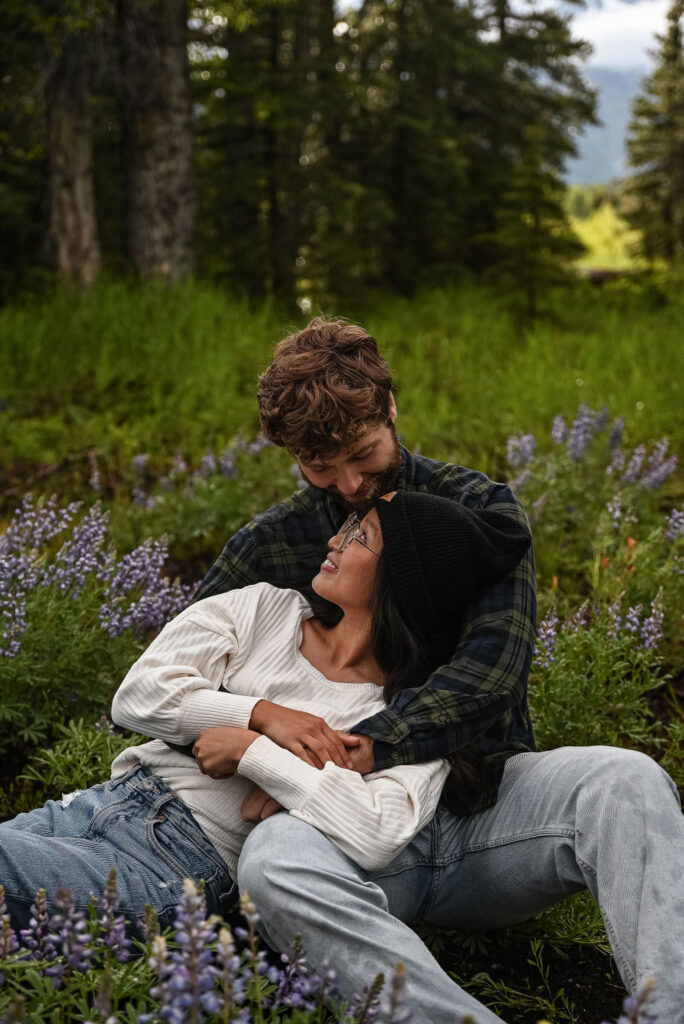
[518, 830]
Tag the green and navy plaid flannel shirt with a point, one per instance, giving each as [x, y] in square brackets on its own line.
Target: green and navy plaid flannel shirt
[477, 702]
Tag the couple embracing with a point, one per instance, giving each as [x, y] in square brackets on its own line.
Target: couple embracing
[341, 727]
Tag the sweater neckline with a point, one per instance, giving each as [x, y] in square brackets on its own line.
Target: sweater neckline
[307, 613]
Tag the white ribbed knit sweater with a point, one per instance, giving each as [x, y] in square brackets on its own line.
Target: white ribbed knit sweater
[248, 640]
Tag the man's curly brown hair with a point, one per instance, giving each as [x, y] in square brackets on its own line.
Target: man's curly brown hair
[325, 386]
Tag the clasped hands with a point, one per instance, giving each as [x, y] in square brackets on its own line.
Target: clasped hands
[219, 750]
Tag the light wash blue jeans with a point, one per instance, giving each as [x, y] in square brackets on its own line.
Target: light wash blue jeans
[135, 824]
[595, 817]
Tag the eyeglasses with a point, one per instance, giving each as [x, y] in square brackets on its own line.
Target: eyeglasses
[350, 530]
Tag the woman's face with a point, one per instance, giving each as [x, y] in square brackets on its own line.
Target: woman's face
[346, 577]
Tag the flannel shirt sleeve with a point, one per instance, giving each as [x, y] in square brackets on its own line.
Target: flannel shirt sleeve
[236, 566]
[480, 686]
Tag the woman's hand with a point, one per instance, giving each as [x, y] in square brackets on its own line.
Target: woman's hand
[307, 736]
[258, 805]
[218, 751]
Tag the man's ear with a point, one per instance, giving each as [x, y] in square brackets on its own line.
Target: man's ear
[392, 408]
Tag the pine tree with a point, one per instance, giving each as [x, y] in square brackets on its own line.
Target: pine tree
[533, 238]
[656, 148]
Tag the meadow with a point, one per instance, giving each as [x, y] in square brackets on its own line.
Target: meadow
[139, 404]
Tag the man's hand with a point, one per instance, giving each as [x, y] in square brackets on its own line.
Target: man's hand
[258, 805]
[218, 751]
[361, 757]
[307, 736]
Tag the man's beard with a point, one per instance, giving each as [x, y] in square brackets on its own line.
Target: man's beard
[379, 483]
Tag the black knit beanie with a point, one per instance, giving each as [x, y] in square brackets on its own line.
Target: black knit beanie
[439, 554]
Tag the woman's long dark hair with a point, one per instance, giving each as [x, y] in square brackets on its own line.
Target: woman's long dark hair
[407, 660]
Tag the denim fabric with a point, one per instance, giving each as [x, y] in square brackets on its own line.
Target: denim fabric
[134, 824]
[599, 818]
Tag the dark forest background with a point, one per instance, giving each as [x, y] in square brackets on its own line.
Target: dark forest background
[282, 149]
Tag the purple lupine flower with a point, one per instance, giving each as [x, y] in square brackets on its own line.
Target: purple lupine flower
[139, 496]
[178, 465]
[658, 468]
[159, 599]
[580, 618]
[258, 958]
[258, 444]
[69, 931]
[208, 465]
[231, 981]
[8, 940]
[15, 582]
[289, 994]
[581, 432]
[633, 618]
[633, 471]
[162, 992]
[81, 555]
[520, 449]
[192, 980]
[601, 419]
[112, 935]
[227, 462]
[519, 482]
[394, 1007]
[140, 463]
[652, 626]
[614, 509]
[37, 937]
[559, 430]
[32, 526]
[616, 430]
[614, 618]
[617, 463]
[102, 1000]
[364, 1008]
[674, 524]
[547, 635]
[103, 724]
[633, 1011]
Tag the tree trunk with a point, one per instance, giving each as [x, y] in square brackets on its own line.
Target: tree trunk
[73, 233]
[157, 137]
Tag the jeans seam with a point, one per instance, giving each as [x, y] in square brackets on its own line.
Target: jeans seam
[625, 969]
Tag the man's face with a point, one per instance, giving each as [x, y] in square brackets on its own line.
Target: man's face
[355, 477]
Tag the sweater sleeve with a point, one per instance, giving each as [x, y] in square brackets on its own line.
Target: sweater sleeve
[172, 690]
[370, 818]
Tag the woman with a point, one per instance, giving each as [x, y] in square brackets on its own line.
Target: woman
[400, 576]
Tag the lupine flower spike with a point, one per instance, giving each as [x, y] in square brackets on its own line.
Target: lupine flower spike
[633, 1011]
[546, 639]
[394, 1008]
[37, 936]
[112, 937]
[365, 1008]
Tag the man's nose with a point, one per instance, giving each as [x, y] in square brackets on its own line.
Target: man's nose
[349, 480]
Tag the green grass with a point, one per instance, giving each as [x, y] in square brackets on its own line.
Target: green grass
[124, 370]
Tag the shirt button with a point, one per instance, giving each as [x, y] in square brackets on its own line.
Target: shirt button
[443, 718]
[394, 755]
